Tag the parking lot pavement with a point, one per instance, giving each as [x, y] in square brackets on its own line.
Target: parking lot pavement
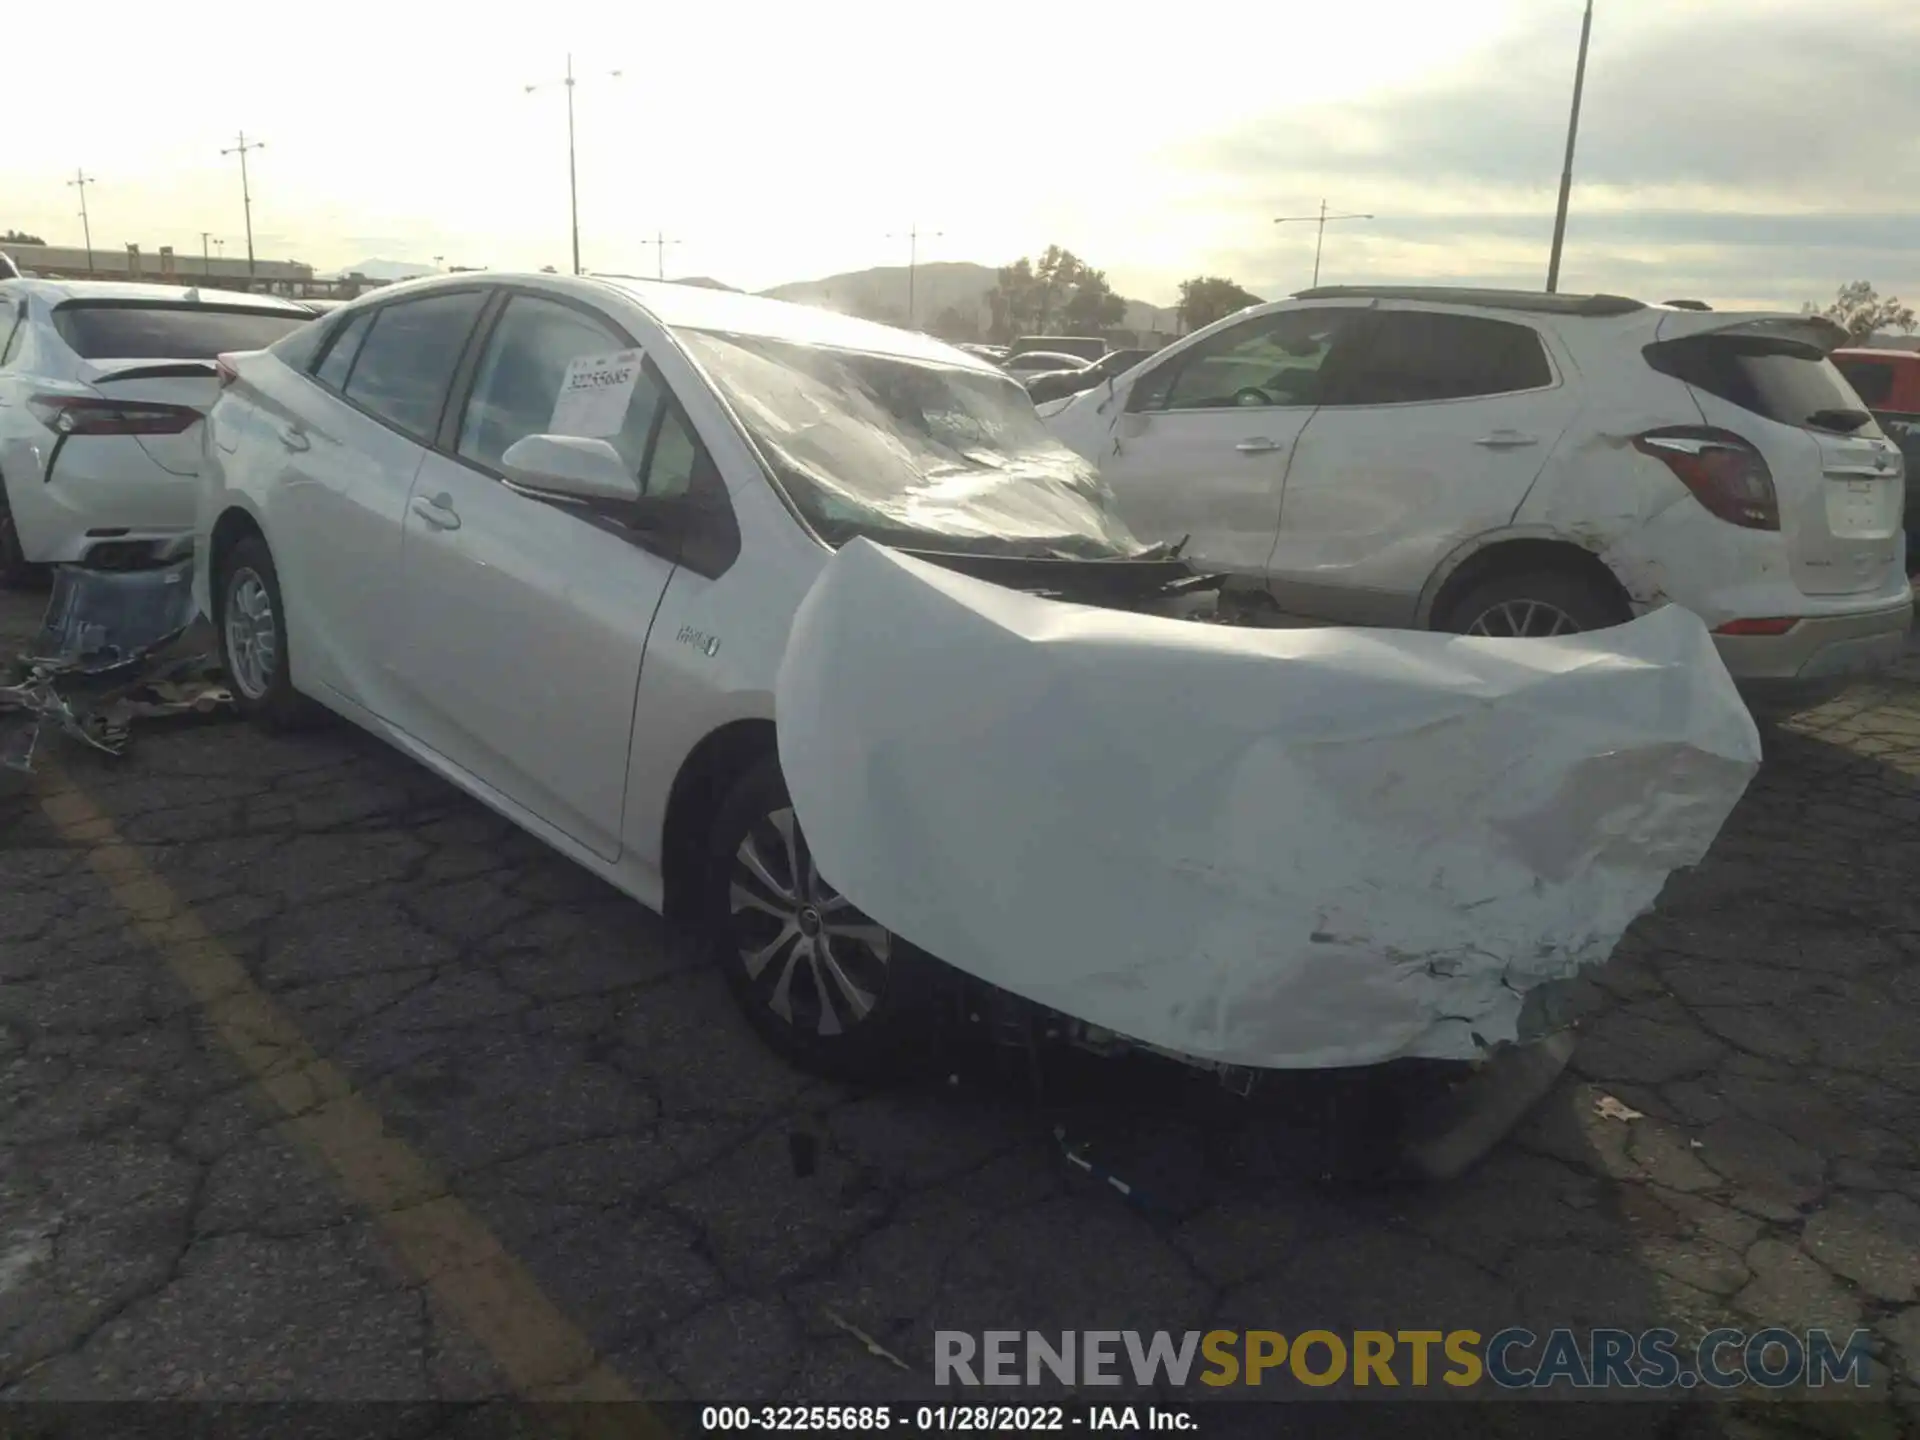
[319, 1081]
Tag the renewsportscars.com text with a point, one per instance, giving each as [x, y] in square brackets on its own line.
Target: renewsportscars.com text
[1510, 1359]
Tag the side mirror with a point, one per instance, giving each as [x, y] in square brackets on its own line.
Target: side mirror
[570, 467]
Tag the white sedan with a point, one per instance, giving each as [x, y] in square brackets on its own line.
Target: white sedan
[102, 388]
[577, 543]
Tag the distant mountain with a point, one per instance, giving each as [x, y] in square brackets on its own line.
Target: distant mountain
[387, 270]
[881, 293]
[707, 282]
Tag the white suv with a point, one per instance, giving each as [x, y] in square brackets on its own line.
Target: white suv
[1514, 463]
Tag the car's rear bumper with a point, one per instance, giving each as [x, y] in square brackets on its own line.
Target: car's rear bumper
[94, 498]
[1820, 656]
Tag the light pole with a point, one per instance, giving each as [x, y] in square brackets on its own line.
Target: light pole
[205, 268]
[1566, 172]
[246, 195]
[660, 243]
[80, 181]
[912, 237]
[1320, 238]
[573, 180]
[439, 262]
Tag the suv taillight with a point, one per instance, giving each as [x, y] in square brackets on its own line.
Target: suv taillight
[85, 415]
[1723, 471]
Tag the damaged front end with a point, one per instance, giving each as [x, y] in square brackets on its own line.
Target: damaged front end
[100, 662]
[1250, 849]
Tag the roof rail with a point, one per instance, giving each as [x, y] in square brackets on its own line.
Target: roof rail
[1537, 301]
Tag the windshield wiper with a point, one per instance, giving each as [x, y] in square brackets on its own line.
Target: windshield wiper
[1844, 421]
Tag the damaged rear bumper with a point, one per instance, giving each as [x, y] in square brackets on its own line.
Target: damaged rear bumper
[1250, 848]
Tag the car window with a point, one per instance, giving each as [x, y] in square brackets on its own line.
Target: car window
[677, 456]
[1779, 378]
[1873, 379]
[1415, 355]
[1269, 360]
[337, 363]
[96, 330]
[406, 362]
[297, 349]
[520, 376]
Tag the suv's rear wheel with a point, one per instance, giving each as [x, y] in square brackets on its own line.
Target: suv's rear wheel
[829, 989]
[1533, 604]
[250, 622]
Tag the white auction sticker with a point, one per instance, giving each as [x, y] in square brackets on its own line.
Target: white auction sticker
[594, 395]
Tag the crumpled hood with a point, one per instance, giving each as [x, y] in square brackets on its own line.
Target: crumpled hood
[1281, 848]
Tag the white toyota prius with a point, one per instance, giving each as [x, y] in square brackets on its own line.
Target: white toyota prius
[577, 544]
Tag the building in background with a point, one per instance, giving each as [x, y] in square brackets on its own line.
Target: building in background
[166, 267]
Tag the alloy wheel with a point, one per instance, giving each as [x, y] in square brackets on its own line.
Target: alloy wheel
[252, 649]
[813, 959]
[1524, 619]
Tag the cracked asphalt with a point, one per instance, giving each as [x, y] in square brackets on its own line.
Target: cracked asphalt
[318, 1081]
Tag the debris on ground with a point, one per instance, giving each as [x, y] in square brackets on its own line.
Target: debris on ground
[874, 1347]
[1608, 1108]
[100, 662]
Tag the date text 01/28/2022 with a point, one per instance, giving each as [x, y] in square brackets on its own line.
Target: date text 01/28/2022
[930, 1419]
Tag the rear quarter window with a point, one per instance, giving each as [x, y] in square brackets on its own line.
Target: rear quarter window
[110, 331]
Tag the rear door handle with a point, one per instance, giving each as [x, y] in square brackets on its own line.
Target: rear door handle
[294, 438]
[437, 512]
[1258, 445]
[1506, 440]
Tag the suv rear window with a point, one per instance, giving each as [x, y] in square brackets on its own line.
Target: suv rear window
[119, 331]
[1781, 380]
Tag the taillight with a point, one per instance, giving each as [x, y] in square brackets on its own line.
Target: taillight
[1723, 471]
[223, 368]
[85, 415]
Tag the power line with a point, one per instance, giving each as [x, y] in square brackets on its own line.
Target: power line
[246, 194]
[1320, 238]
[660, 242]
[81, 180]
[912, 237]
[573, 173]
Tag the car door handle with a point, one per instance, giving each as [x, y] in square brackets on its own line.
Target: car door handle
[1506, 440]
[294, 438]
[1258, 445]
[437, 512]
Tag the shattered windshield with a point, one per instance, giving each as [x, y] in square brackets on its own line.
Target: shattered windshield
[910, 452]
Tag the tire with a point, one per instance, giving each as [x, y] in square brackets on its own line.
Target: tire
[16, 571]
[1498, 605]
[783, 997]
[249, 610]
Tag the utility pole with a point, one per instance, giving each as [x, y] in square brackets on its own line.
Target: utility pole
[439, 262]
[1566, 172]
[912, 237]
[246, 195]
[81, 180]
[1320, 238]
[205, 266]
[573, 175]
[660, 243]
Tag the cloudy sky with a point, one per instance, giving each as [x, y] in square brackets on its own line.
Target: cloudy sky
[1739, 151]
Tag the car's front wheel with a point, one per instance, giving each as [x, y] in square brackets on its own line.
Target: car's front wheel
[828, 988]
[251, 625]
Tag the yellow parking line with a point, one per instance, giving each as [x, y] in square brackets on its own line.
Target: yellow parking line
[542, 1353]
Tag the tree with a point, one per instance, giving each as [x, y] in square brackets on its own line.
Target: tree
[1859, 309]
[954, 324]
[1029, 297]
[1207, 298]
[20, 237]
